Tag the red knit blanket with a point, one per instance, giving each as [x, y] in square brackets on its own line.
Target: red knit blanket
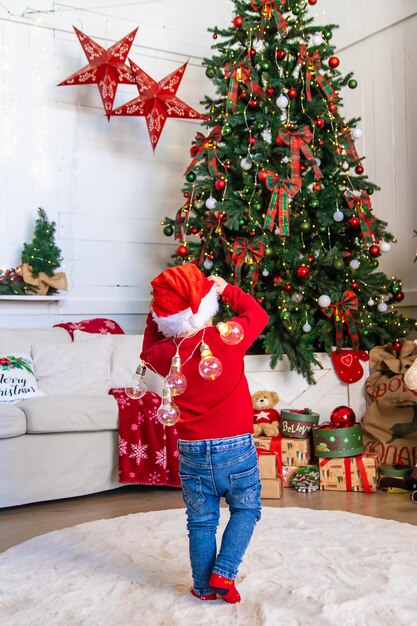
[147, 450]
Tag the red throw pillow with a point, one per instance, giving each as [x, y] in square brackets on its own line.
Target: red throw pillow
[99, 325]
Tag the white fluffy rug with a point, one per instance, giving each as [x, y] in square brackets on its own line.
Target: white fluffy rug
[303, 567]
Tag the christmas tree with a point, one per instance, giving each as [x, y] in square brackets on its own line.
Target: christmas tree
[276, 197]
[42, 254]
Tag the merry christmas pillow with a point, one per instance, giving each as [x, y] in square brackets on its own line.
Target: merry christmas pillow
[17, 378]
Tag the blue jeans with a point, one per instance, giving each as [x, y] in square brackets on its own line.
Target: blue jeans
[211, 469]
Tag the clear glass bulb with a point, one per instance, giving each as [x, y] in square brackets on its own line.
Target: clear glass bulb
[168, 413]
[230, 332]
[209, 367]
[138, 387]
[175, 380]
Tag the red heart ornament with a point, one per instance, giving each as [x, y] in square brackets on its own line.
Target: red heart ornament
[347, 364]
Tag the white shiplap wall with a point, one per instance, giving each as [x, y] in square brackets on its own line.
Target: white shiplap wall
[101, 182]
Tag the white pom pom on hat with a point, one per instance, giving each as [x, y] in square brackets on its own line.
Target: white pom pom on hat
[183, 300]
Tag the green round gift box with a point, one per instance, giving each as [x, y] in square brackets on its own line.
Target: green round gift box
[297, 425]
[335, 443]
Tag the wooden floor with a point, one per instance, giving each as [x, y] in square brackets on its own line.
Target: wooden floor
[20, 523]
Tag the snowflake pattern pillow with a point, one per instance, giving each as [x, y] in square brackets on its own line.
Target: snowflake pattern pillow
[17, 378]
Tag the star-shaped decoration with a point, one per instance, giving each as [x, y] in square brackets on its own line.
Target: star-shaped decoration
[106, 68]
[157, 101]
[262, 415]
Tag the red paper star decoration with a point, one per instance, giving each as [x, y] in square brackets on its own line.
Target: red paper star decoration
[106, 68]
[157, 101]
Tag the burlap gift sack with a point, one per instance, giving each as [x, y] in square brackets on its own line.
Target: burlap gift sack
[390, 421]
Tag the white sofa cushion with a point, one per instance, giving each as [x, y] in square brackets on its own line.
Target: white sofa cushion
[12, 421]
[82, 368]
[21, 339]
[17, 377]
[76, 413]
[124, 360]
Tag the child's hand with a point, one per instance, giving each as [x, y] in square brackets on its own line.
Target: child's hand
[220, 283]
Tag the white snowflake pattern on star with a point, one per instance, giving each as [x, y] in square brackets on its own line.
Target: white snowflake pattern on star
[132, 474]
[123, 402]
[161, 457]
[110, 324]
[122, 446]
[134, 427]
[138, 452]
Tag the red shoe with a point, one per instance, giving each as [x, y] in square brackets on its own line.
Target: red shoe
[225, 588]
[209, 596]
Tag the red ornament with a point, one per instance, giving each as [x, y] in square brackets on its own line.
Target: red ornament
[106, 68]
[316, 187]
[227, 165]
[252, 140]
[359, 169]
[278, 280]
[333, 107]
[262, 176]
[312, 2]
[347, 254]
[288, 287]
[193, 150]
[399, 297]
[397, 345]
[281, 54]
[292, 93]
[214, 36]
[374, 251]
[259, 300]
[270, 91]
[252, 103]
[238, 21]
[302, 168]
[320, 142]
[319, 121]
[355, 284]
[220, 184]
[186, 194]
[334, 62]
[182, 251]
[343, 417]
[310, 258]
[347, 364]
[354, 222]
[157, 101]
[210, 256]
[243, 95]
[252, 52]
[303, 271]
[194, 230]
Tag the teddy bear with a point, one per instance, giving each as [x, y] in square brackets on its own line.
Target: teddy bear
[265, 418]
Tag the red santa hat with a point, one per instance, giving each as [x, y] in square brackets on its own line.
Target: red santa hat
[183, 300]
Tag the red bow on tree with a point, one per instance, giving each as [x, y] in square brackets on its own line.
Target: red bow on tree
[342, 312]
[282, 192]
[269, 9]
[207, 145]
[240, 73]
[244, 252]
[313, 68]
[298, 143]
[363, 206]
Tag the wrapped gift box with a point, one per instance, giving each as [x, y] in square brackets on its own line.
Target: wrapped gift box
[271, 488]
[268, 465]
[294, 452]
[288, 472]
[356, 473]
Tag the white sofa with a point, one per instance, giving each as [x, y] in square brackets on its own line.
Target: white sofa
[63, 444]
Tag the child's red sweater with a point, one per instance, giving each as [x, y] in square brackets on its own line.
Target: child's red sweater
[211, 409]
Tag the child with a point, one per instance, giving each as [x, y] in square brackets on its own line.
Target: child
[217, 453]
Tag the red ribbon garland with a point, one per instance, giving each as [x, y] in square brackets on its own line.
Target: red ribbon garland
[207, 145]
[342, 312]
[268, 9]
[298, 143]
[369, 226]
[240, 73]
[182, 214]
[241, 249]
[282, 191]
[313, 67]
[348, 474]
